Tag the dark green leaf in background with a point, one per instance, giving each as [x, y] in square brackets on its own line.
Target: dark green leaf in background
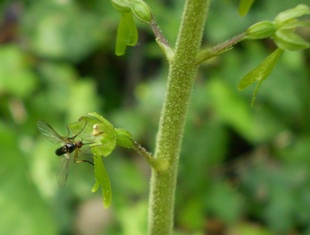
[15, 77]
[245, 6]
[24, 210]
[62, 31]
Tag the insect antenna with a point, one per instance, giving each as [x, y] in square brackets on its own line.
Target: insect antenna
[73, 137]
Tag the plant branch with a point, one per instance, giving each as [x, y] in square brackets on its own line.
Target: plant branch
[218, 49]
[182, 73]
[158, 34]
[158, 165]
[162, 41]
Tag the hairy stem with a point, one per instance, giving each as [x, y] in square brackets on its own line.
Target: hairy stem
[182, 73]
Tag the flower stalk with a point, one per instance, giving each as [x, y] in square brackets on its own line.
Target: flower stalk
[182, 73]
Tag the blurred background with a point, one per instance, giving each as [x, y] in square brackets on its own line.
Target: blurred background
[242, 171]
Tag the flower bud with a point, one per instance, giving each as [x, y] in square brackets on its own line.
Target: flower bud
[142, 11]
[263, 29]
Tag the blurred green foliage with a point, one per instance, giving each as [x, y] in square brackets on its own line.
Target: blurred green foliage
[243, 170]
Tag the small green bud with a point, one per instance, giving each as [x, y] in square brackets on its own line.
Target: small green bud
[121, 5]
[263, 29]
[142, 11]
[288, 40]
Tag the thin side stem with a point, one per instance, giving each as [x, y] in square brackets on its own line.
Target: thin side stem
[182, 73]
[158, 34]
[206, 54]
[158, 165]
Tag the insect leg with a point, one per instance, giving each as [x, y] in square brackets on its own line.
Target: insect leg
[82, 160]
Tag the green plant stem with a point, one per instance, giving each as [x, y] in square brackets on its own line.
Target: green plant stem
[182, 73]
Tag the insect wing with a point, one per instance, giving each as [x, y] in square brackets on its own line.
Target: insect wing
[63, 168]
[49, 132]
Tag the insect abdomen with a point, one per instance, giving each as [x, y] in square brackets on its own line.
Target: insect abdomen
[67, 148]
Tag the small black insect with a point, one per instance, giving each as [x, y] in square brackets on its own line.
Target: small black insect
[69, 145]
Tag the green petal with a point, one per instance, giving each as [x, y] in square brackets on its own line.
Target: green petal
[262, 71]
[127, 34]
[103, 134]
[124, 138]
[298, 11]
[288, 40]
[102, 178]
[121, 5]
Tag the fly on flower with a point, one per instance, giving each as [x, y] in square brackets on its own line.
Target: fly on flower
[69, 145]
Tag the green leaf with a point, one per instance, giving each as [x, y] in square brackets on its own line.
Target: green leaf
[16, 78]
[261, 72]
[225, 202]
[254, 127]
[73, 37]
[102, 178]
[245, 6]
[127, 34]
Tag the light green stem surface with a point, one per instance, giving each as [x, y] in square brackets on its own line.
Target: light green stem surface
[182, 73]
